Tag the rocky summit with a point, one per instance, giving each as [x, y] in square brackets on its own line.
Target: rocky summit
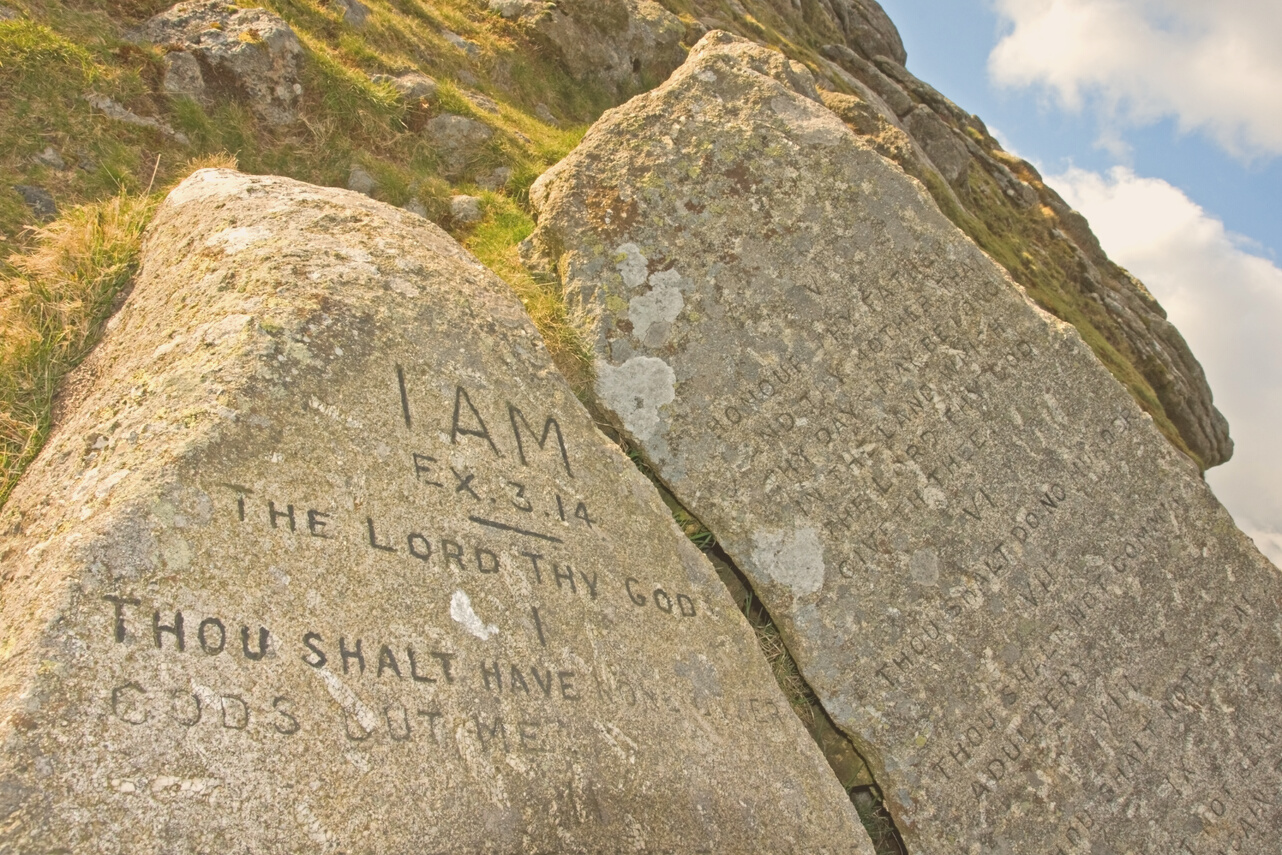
[997, 576]
[327, 557]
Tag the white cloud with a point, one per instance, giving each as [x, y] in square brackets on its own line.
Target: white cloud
[1215, 65]
[1227, 303]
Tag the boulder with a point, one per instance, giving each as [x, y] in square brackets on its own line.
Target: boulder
[544, 114]
[38, 200]
[1163, 357]
[50, 158]
[458, 140]
[465, 209]
[468, 47]
[922, 91]
[867, 28]
[945, 148]
[360, 181]
[247, 55]
[513, 9]
[1022, 604]
[329, 558]
[413, 86]
[622, 45]
[183, 76]
[120, 113]
[944, 139]
[354, 12]
[888, 90]
[869, 117]
[497, 178]
[483, 102]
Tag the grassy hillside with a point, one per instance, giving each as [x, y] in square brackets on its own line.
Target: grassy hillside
[57, 53]
[58, 279]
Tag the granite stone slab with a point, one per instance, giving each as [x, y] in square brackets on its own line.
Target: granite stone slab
[326, 557]
[999, 578]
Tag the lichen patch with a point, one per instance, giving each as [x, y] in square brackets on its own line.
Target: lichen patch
[794, 559]
[637, 390]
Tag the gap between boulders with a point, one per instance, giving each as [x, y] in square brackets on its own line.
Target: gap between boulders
[852, 771]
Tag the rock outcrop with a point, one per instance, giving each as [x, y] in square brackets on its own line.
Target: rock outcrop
[39, 200]
[999, 578]
[622, 45]
[118, 112]
[457, 141]
[614, 49]
[327, 557]
[216, 50]
[1001, 202]
[413, 86]
[867, 28]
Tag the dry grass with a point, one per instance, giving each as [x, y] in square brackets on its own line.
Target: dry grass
[60, 281]
[216, 160]
[51, 313]
[495, 242]
[53, 305]
[794, 686]
[566, 341]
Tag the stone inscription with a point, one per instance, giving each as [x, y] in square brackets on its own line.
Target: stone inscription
[417, 676]
[558, 513]
[330, 559]
[994, 571]
[442, 701]
[820, 434]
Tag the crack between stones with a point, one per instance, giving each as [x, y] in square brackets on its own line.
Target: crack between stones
[849, 766]
[851, 769]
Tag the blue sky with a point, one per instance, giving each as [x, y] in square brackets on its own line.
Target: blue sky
[948, 43]
[1161, 121]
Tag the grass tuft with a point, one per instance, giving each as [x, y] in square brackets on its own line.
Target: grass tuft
[28, 50]
[52, 308]
[495, 242]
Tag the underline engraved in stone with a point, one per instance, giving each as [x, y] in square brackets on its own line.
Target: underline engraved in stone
[514, 529]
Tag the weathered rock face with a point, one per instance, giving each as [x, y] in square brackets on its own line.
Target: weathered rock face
[1002, 204]
[329, 558]
[620, 44]
[221, 51]
[999, 201]
[413, 86]
[867, 28]
[993, 570]
[457, 140]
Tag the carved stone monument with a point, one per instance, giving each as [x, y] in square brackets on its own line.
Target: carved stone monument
[997, 576]
[326, 557]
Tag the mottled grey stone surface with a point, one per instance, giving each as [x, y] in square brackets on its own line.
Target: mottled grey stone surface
[413, 86]
[248, 55]
[328, 558]
[39, 200]
[457, 140]
[993, 570]
[620, 45]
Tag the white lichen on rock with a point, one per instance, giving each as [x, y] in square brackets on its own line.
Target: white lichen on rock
[636, 391]
[794, 559]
